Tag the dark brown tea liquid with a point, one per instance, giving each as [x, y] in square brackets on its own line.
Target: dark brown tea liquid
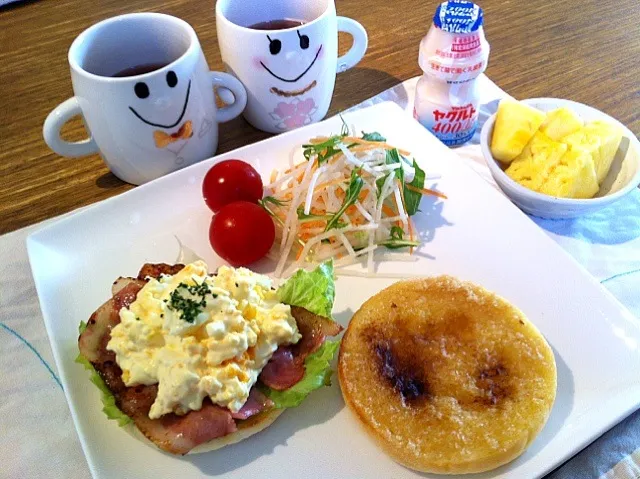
[277, 24]
[140, 69]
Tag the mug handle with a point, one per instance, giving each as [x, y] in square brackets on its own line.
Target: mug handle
[231, 83]
[359, 47]
[55, 121]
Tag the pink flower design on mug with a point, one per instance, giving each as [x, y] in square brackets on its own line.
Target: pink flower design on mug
[294, 114]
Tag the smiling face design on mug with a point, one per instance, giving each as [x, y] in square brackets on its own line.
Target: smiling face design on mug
[162, 105]
[290, 62]
[145, 91]
[285, 52]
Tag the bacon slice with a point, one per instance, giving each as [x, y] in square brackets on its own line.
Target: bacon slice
[172, 433]
[283, 370]
[93, 342]
[286, 366]
[155, 270]
[256, 403]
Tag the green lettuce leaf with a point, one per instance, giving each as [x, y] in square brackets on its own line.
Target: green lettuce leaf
[412, 198]
[108, 401]
[314, 291]
[317, 374]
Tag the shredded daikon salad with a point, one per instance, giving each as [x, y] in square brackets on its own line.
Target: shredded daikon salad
[349, 199]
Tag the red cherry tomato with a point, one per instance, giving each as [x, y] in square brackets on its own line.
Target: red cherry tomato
[241, 233]
[229, 181]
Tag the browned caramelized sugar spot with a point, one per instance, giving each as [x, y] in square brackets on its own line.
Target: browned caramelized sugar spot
[414, 361]
[401, 374]
[493, 381]
[455, 325]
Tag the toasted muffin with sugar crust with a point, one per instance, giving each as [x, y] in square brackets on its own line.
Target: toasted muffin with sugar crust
[448, 377]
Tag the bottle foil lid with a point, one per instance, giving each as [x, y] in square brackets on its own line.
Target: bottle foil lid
[458, 16]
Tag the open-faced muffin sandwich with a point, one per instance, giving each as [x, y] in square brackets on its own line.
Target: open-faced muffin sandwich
[198, 361]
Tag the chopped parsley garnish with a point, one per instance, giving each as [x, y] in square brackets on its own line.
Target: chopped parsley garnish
[189, 306]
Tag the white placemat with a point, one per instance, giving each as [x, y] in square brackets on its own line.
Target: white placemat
[38, 438]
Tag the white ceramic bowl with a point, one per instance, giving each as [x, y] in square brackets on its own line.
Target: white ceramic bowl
[623, 177]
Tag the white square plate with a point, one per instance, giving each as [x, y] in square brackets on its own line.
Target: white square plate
[477, 235]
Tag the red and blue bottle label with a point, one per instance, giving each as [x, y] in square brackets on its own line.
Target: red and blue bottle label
[453, 126]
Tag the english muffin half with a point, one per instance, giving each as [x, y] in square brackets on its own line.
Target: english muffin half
[448, 377]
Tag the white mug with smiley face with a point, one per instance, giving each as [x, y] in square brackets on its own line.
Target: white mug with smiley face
[289, 73]
[145, 92]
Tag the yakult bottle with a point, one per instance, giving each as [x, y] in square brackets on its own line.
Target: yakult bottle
[452, 56]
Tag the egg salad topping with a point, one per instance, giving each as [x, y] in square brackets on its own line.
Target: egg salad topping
[199, 335]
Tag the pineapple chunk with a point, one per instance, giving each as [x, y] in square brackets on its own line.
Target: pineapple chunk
[601, 140]
[515, 125]
[556, 154]
[560, 123]
[573, 177]
[536, 162]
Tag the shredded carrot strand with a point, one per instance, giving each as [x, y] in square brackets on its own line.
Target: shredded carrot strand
[373, 145]
[353, 139]
[388, 211]
[274, 176]
[289, 170]
[410, 221]
[426, 191]
[311, 225]
[337, 181]
[363, 148]
[318, 139]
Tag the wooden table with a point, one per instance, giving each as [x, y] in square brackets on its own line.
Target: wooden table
[587, 51]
